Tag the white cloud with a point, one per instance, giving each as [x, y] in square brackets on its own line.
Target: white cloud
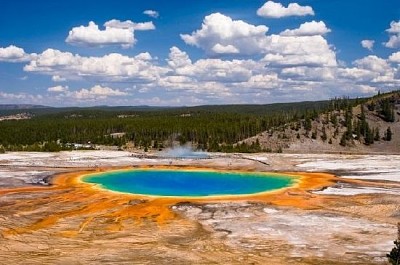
[211, 70]
[19, 97]
[52, 61]
[309, 51]
[57, 78]
[220, 49]
[5, 95]
[178, 59]
[111, 67]
[368, 44]
[14, 54]
[115, 33]
[276, 10]
[394, 42]
[394, 38]
[221, 34]
[96, 92]
[311, 74]
[373, 63]
[115, 23]
[308, 29]
[93, 36]
[356, 74]
[151, 13]
[394, 57]
[144, 26]
[58, 89]
[394, 27]
[263, 81]
[144, 56]
[369, 72]
[65, 96]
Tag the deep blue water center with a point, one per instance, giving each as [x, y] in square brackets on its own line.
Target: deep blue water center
[157, 182]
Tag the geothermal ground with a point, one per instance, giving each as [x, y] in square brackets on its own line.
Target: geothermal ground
[346, 219]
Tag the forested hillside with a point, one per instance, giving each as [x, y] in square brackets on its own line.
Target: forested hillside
[371, 126]
[228, 128]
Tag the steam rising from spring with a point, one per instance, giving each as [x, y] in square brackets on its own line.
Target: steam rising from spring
[185, 151]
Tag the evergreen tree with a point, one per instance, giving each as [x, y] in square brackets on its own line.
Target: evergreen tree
[363, 123]
[324, 137]
[334, 120]
[387, 110]
[377, 134]
[343, 140]
[307, 124]
[314, 134]
[388, 134]
[369, 136]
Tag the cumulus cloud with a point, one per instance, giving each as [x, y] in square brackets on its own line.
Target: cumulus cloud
[309, 51]
[14, 54]
[274, 78]
[368, 44]
[373, 63]
[178, 58]
[211, 69]
[58, 89]
[96, 92]
[370, 73]
[111, 67]
[394, 27]
[394, 57]
[115, 33]
[151, 13]
[6, 97]
[115, 23]
[356, 74]
[308, 29]
[220, 34]
[394, 42]
[57, 78]
[276, 10]
[394, 35]
[144, 56]
[220, 49]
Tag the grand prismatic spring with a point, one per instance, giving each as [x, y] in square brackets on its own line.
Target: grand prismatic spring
[189, 182]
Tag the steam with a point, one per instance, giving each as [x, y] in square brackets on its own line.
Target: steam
[185, 151]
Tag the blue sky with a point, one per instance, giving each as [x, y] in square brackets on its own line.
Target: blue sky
[84, 53]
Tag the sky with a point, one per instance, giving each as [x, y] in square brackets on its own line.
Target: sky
[185, 53]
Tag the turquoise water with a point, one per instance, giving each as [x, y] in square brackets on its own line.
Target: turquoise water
[188, 183]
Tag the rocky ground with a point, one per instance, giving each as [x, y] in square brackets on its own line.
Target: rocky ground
[351, 221]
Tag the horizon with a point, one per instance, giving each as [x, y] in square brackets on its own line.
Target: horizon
[196, 53]
[171, 106]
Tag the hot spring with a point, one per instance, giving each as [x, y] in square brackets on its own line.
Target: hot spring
[189, 183]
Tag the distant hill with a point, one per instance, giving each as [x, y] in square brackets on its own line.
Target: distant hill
[109, 111]
[20, 106]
